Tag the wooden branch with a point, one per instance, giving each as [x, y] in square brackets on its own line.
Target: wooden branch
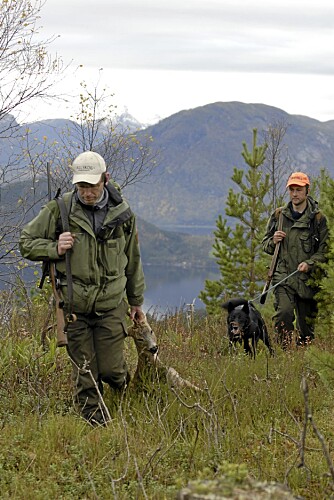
[309, 417]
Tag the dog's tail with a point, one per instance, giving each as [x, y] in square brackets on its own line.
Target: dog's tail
[233, 303]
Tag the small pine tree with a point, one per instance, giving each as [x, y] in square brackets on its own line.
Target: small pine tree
[238, 252]
[325, 185]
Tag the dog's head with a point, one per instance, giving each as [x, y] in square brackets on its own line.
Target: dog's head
[144, 338]
[238, 319]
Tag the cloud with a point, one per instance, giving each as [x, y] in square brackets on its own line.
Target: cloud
[195, 35]
[161, 56]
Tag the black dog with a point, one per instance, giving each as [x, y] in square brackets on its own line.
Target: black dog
[245, 323]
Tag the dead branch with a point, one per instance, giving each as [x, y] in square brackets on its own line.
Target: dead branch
[309, 417]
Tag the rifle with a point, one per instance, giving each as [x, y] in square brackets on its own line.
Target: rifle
[60, 319]
[272, 268]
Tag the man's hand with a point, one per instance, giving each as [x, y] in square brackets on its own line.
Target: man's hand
[303, 267]
[278, 236]
[136, 313]
[65, 242]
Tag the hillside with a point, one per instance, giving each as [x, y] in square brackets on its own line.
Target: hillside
[199, 148]
[167, 247]
[258, 421]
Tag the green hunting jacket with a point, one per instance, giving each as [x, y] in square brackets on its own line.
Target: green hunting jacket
[305, 241]
[104, 272]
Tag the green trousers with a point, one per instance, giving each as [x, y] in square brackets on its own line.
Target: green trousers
[96, 348]
[289, 306]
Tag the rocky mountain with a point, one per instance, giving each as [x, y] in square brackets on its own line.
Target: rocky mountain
[199, 149]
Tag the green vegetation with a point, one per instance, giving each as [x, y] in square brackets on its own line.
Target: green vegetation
[238, 251]
[254, 419]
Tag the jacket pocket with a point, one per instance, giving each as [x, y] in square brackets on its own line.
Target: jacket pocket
[109, 256]
[306, 242]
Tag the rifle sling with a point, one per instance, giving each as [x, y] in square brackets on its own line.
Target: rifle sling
[66, 228]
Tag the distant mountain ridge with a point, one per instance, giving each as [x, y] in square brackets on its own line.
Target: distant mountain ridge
[201, 146]
[199, 149]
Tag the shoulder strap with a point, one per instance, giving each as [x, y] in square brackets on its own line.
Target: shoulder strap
[63, 214]
[318, 216]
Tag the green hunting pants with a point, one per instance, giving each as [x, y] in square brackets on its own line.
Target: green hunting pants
[289, 306]
[96, 348]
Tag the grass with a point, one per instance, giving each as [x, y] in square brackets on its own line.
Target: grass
[268, 419]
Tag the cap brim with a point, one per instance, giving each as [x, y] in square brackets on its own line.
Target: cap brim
[90, 179]
[300, 184]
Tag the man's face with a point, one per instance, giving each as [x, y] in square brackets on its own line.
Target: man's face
[298, 194]
[90, 193]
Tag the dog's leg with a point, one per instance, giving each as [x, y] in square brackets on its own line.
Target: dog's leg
[247, 348]
[254, 344]
[266, 340]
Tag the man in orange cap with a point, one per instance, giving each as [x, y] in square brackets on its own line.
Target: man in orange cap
[303, 243]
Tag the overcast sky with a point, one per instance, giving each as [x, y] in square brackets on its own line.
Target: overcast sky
[162, 56]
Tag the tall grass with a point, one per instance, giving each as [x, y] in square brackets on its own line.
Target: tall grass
[270, 419]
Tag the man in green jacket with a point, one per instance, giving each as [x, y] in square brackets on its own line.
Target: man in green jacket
[107, 277]
[303, 244]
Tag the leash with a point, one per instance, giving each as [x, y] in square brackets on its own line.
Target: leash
[272, 287]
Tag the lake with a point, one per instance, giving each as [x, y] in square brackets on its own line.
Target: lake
[169, 288]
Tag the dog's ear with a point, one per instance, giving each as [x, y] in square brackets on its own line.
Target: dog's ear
[233, 303]
[245, 308]
[228, 305]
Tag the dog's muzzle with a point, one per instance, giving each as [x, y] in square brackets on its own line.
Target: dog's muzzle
[236, 332]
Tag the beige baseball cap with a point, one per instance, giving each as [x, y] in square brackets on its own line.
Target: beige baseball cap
[88, 167]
